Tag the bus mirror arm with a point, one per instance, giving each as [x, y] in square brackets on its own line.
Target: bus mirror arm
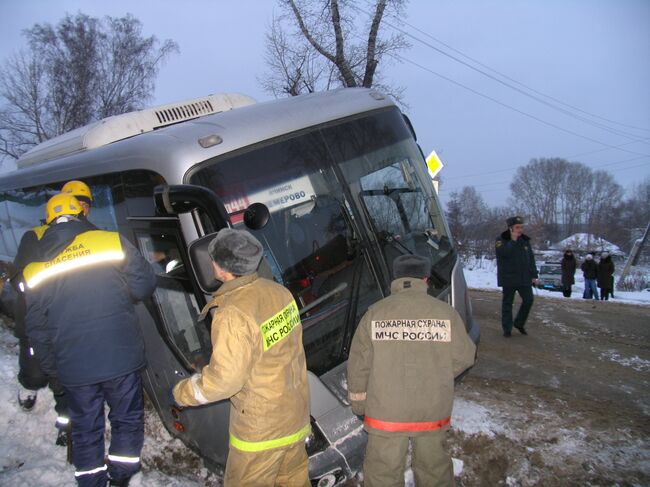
[183, 198]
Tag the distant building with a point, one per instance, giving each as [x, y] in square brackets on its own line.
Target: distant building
[584, 243]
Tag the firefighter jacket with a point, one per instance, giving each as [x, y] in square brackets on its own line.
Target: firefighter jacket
[80, 296]
[515, 261]
[405, 354]
[258, 361]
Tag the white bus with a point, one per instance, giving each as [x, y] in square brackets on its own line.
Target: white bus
[333, 184]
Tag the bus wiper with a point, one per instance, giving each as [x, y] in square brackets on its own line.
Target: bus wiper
[354, 298]
[324, 297]
[390, 238]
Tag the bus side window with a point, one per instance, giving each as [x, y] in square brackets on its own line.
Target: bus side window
[175, 299]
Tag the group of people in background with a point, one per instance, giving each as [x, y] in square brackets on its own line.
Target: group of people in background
[596, 275]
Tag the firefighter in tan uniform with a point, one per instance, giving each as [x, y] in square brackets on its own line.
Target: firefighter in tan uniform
[404, 356]
[257, 361]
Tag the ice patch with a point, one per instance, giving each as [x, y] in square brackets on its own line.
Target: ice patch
[458, 466]
[472, 418]
[636, 362]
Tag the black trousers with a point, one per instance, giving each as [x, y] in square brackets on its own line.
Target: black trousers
[526, 293]
[32, 377]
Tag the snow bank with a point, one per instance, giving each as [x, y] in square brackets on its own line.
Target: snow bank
[482, 274]
[28, 455]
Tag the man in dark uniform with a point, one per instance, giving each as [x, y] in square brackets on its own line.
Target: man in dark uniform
[82, 323]
[406, 352]
[516, 273]
[30, 376]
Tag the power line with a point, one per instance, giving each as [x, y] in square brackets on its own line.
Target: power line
[519, 90]
[562, 110]
[494, 70]
[403, 59]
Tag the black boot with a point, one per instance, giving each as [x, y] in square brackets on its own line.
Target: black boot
[26, 398]
[119, 483]
[62, 438]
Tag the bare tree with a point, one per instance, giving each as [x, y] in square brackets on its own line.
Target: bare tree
[537, 186]
[81, 70]
[558, 194]
[603, 195]
[317, 44]
[575, 184]
[469, 221]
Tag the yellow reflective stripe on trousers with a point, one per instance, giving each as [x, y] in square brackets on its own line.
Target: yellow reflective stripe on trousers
[269, 444]
[88, 248]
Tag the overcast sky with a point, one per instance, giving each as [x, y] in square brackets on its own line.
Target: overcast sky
[592, 57]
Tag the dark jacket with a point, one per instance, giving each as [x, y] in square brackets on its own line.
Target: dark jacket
[515, 261]
[569, 265]
[82, 323]
[26, 253]
[605, 271]
[589, 269]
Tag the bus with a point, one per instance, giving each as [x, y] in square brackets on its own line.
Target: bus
[333, 184]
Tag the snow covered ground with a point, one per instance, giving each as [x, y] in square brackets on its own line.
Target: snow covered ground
[482, 274]
[28, 456]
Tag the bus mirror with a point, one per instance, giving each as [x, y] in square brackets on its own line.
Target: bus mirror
[201, 264]
[256, 216]
[183, 198]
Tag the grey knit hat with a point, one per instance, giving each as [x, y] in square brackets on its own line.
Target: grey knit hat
[236, 251]
[411, 265]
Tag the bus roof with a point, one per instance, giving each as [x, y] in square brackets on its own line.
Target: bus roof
[173, 149]
[119, 127]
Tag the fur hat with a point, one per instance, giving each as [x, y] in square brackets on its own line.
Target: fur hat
[411, 265]
[514, 220]
[236, 251]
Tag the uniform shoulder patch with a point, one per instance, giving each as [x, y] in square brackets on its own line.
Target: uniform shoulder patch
[499, 243]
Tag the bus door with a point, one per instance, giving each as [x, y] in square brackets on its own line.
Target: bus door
[177, 343]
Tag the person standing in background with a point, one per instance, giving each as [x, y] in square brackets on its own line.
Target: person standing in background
[605, 276]
[569, 266]
[516, 273]
[590, 273]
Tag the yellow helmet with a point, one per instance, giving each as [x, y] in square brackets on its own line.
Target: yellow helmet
[61, 204]
[78, 189]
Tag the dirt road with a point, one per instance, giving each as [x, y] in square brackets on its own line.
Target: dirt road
[569, 404]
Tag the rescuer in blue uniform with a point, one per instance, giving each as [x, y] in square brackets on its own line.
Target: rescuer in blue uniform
[81, 321]
[516, 272]
[30, 375]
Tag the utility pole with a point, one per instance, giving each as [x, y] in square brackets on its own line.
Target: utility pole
[633, 259]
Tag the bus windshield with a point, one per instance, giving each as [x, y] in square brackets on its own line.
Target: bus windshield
[345, 200]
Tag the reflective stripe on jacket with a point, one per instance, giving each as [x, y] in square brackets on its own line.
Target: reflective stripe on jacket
[81, 318]
[257, 361]
[404, 356]
[88, 248]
